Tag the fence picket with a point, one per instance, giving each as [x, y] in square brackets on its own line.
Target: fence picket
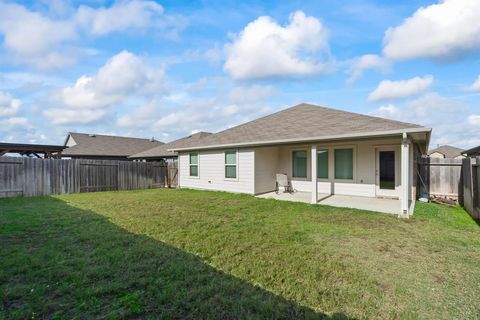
[30, 177]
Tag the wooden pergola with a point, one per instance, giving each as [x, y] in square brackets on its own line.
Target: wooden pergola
[36, 150]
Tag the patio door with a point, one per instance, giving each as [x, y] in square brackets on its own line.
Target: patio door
[386, 172]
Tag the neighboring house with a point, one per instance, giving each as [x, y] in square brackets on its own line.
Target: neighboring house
[473, 152]
[163, 152]
[97, 146]
[446, 151]
[354, 154]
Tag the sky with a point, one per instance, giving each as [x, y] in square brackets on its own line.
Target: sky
[166, 69]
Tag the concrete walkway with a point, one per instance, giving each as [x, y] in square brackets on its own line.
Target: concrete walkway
[336, 200]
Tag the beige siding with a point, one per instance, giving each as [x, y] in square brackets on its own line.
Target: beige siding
[70, 142]
[211, 172]
[436, 155]
[257, 168]
[364, 178]
[266, 164]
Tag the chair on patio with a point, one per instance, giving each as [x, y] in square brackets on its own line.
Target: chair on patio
[282, 182]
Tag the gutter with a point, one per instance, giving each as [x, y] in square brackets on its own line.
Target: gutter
[309, 139]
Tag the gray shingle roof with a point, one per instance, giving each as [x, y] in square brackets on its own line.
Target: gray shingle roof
[162, 151]
[302, 121]
[103, 145]
[447, 151]
[472, 151]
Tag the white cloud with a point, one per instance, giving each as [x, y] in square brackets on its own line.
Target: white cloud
[474, 119]
[390, 90]
[475, 86]
[125, 76]
[17, 121]
[440, 31]
[389, 111]
[47, 42]
[247, 94]
[446, 116]
[33, 38]
[68, 116]
[140, 117]
[226, 108]
[266, 49]
[120, 16]
[368, 61]
[8, 105]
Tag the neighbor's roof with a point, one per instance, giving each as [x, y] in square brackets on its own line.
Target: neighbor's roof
[24, 147]
[163, 150]
[471, 151]
[301, 123]
[447, 151]
[103, 145]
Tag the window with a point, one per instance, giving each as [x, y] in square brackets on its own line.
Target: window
[299, 164]
[194, 164]
[231, 164]
[344, 164]
[322, 164]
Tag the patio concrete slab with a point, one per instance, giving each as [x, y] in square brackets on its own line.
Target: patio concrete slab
[365, 203]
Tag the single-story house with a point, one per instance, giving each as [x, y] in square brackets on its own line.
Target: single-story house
[97, 146]
[446, 152]
[473, 152]
[346, 154]
[163, 152]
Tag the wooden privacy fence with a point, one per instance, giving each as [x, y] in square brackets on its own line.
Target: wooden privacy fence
[471, 186]
[440, 177]
[33, 177]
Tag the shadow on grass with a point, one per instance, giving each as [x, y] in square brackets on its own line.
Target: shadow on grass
[59, 261]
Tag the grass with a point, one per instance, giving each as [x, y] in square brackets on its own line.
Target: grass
[198, 254]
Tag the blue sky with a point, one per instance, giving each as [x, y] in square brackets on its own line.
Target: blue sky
[167, 69]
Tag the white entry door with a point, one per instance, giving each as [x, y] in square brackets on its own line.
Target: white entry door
[386, 172]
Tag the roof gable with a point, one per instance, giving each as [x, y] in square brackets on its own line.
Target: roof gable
[447, 151]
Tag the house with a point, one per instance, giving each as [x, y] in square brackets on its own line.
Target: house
[473, 152]
[353, 155]
[162, 152]
[446, 151]
[97, 146]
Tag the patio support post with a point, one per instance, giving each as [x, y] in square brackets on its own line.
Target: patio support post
[314, 174]
[404, 175]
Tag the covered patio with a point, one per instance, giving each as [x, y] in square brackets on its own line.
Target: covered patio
[336, 200]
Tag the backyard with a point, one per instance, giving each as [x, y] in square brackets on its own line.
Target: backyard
[197, 254]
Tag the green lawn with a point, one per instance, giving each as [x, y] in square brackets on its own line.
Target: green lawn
[198, 254]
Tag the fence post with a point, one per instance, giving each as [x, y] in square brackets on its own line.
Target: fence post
[467, 185]
[476, 189]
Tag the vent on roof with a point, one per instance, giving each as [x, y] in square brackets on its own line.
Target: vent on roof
[92, 135]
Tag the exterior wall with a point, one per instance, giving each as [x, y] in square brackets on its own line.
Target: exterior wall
[436, 155]
[211, 172]
[70, 142]
[256, 169]
[364, 167]
[266, 163]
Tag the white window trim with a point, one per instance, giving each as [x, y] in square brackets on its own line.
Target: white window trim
[354, 162]
[198, 166]
[291, 164]
[225, 165]
[320, 148]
